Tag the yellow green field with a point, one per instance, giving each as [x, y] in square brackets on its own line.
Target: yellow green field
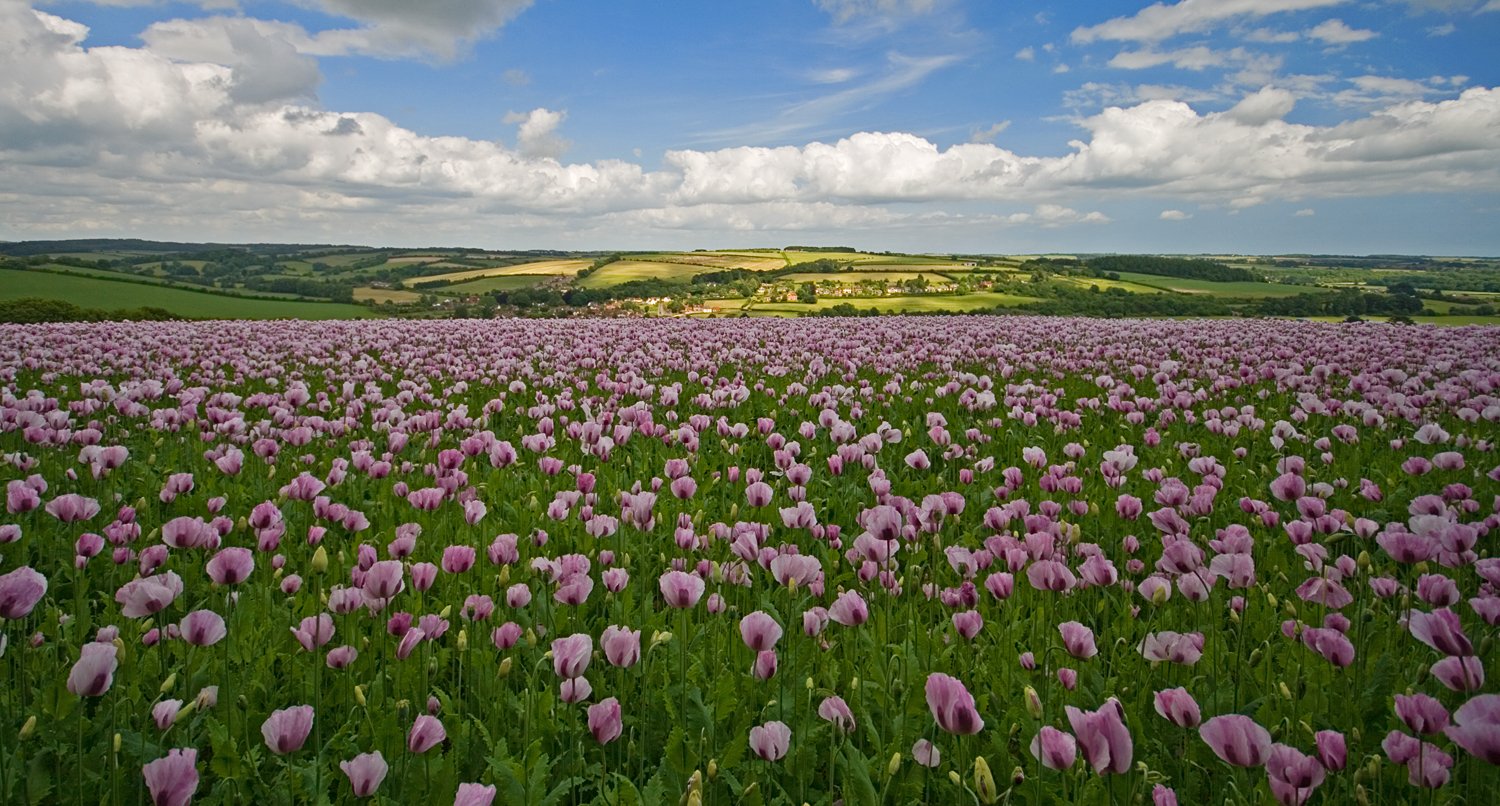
[715, 260]
[623, 271]
[541, 267]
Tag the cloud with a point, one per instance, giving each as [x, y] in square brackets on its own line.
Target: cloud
[989, 133]
[1056, 215]
[1369, 90]
[115, 139]
[266, 59]
[1026, 54]
[1195, 58]
[1270, 37]
[1335, 32]
[1306, 212]
[537, 136]
[516, 77]
[1161, 21]
[402, 29]
[1174, 215]
[1095, 95]
[832, 75]
[1445, 29]
[902, 73]
[846, 10]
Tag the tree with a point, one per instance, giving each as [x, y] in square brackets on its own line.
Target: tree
[807, 294]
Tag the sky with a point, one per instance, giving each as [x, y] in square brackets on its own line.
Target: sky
[1196, 126]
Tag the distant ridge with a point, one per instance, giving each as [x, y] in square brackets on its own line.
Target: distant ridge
[28, 248]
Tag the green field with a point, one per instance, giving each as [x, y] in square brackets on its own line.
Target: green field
[1103, 284]
[623, 271]
[914, 304]
[1249, 290]
[91, 292]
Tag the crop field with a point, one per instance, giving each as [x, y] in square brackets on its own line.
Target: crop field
[714, 260]
[873, 561]
[541, 267]
[754, 261]
[622, 271]
[90, 292]
[862, 258]
[1250, 290]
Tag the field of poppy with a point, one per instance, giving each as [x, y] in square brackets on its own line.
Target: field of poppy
[876, 561]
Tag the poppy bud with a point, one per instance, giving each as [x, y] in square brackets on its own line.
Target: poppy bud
[984, 781]
[29, 728]
[320, 560]
[894, 765]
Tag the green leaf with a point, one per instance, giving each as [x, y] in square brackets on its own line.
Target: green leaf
[226, 763]
[508, 778]
[539, 769]
[677, 753]
[625, 793]
[39, 776]
[857, 786]
[656, 789]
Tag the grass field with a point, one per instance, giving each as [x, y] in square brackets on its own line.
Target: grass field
[959, 302]
[91, 292]
[1134, 288]
[159, 280]
[1250, 290]
[623, 271]
[541, 267]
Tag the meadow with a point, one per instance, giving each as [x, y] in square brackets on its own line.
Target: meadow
[878, 561]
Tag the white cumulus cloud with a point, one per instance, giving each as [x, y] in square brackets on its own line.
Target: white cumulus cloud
[1160, 21]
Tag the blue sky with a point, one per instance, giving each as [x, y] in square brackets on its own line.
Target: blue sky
[925, 125]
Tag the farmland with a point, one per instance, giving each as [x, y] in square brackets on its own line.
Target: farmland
[890, 560]
[792, 281]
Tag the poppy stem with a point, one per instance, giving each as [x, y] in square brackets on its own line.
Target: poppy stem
[80, 752]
